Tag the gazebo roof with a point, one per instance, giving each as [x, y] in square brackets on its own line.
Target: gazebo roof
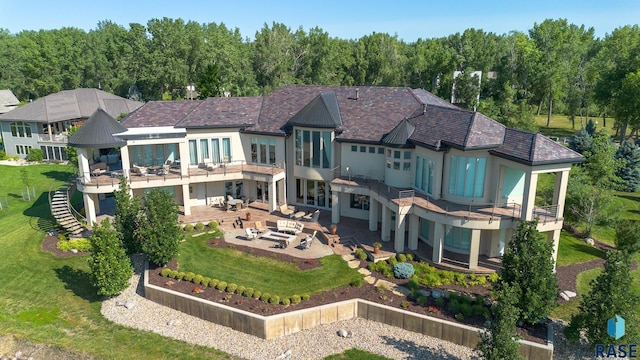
[98, 132]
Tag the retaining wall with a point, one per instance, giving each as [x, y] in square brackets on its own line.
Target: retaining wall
[268, 327]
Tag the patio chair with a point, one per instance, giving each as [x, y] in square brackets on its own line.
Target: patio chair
[312, 216]
[306, 242]
[261, 227]
[286, 211]
[250, 234]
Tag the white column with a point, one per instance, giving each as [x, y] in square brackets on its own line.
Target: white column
[183, 150]
[398, 245]
[186, 199]
[474, 249]
[282, 191]
[89, 208]
[554, 236]
[273, 205]
[414, 231]
[560, 191]
[386, 223]
[374, 209]
[124, 156]
[530, 183]
[50, 132]
[96, 202]
[335, 207]
[438, 242]
[83, 164]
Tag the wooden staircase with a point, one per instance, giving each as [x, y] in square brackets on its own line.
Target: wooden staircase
[62, 212]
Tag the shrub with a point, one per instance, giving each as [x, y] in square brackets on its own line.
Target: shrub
[295, 299]
[222, 285]
[181, 275]
[213, 283]
[231, 288]
[62, 237]
[188, 227]
[454, 306]
[413, 284]
[198, 279]
[213, 225]
[422, 300]
[265, 297]
[409, 257]
[392, 260]
[372, 267]
[240, 290]
[78, 244]
[189, 276]
[357, 282]
[274, 300]
[480, 300]
[165, 272]
[461, 279]
[493, 278]
[257, 294]
[286, 301]
[248, 292]
[403, 270]
[361, 254]
[478, 310]
[305, 297]
[439, 302]
[35, 155]
[402, 257]
[205, 282]
[404, 304]
[199, 226]
[174, 274]
[3, 155]
[465, 309]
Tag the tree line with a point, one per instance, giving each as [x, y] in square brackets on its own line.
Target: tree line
[554, 68]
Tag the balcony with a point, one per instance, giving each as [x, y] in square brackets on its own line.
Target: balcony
[55, 138]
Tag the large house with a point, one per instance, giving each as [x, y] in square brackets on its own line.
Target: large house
[44, 123]
[402, 159]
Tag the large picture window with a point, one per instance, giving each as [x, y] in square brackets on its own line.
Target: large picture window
[20, 129]
[424, 174]
[313, 193]
[263, 150]
[457, 238]
[208, 151]
[313, 148]
[466, 176]
[154, 154]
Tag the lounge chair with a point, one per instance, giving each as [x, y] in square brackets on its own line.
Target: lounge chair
[250, 233]
[306, 242]
[312, 216]
[286, 211]
[261, 227]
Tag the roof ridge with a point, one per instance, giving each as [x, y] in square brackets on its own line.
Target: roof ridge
[534, 139]
[469, 127]
[200, 102]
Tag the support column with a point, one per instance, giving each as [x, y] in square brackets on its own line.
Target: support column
[414, 231]
[438, 242]
[398, 245]
[335, 207]
[530, 183]
[96, 202]
[83, 164]
[124, 157]
[282, 191]
[186, 199]
[273, 205]
[554, 237]
[386, 223]
[560, 191]
[474, 249]
[50, 132]
[89, 208]
[374, 214]
[183, 150]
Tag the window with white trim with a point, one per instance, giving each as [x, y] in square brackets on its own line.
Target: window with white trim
[20, 129]
[466, 176]
[313, 148]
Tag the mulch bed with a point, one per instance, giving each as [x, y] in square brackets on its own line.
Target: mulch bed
[50, 245]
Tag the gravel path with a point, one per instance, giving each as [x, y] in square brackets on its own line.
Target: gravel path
[316, 343]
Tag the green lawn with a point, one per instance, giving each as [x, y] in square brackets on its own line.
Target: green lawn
[355, 354]
[260, 273]
[573, 250]
[560, 125]
[566, 310]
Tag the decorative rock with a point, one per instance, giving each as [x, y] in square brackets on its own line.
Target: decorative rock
[171, 322]
[564, 296]
[590, 241]
[284, 355]
[400, 290]
[119, 303]
[364, 271]
[345, 334]
[569, 293]
[435, 294]
[129, 305]
[354, 264]
[424, 292]
[369, 279]
[75, 251]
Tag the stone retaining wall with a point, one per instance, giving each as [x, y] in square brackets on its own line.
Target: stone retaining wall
[268, 327]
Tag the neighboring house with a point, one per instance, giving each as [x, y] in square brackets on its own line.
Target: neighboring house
[44, 123]
[8, 101]
[403, 159]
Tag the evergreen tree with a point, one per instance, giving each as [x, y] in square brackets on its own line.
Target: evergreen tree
[601, 164]
[629, 173]
[110, 267]
[126, 220]
[581, 141]
[611, 294]
[628, 236]
[159, 227]
[590, 128]
[527, 266]
[501, 340]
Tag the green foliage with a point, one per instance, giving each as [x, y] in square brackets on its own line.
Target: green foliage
[3, 155]
[401, 257]
[231, 288]
[189, 276]
[357, 283]
[240, 290]
[214, 283]
[188, 227]
[501, 340]
[628, 236]
[199, 226]
[213, 225]
[413, 284]
[128, 218]
[257, 294]
[175, 274]
[274, 300]
[221, 285]
[629, 154]
[409, 256]
[601, 164]
[361, 254]
[35, 155]
[165, 272]
[527, 267]
[295, 299]
[439, 302]
[198, 279]
[611, 294]
[78, 244]
[160, 228]
[248, 292]
[206, 281]
[392, 261]
[587, 204]
[581, 141]
[305, 297]
[286, 301]
[403, 270]
[181, 275]
[265, 297]
[109, 265]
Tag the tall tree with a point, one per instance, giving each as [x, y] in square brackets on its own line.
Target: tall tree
[601, 164]
[159, 228]
[587, 205]
[275, 56]
[500, 342]
[527, 266]
[629, 173]
[127, 218]
[628, 236]
[109, 265]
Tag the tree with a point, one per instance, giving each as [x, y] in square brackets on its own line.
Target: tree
[72, 152]
[209, 82]
[159, 227]
[587, 204]
[581, 141]
[601, 164]
[501, 340]
[127, 218]
[611, 294]
[629, 173]
[109, 265]
[628, 236]
[527, 266]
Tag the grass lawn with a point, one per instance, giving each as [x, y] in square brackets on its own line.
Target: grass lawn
[573, 250]
[264, 274]
[355, 354]
[560, 125]
[566, 310]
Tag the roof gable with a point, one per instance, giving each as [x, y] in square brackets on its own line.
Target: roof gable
[322, 112]
[98, 132]
[400, 134]
[534, 149]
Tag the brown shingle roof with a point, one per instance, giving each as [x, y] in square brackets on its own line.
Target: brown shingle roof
[160, 113]
[534, 149]
[223, 112]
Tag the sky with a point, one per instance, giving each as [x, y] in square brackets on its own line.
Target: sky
[408, 19]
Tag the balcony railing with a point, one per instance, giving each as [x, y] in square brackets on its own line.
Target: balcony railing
[57, 138]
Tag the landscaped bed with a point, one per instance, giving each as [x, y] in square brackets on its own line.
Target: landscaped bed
[324, 294]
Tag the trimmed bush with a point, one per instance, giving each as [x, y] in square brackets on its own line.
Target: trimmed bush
[402, 257]
[477, 310]
[465, 309]
[181, 275]
[409, 256]
[213, 225]
[189, 276]
[274, 300]
[188, 228]
[222, 285]
[240, 290]
[392, 260]
[265, 297]
[213, 283]
[361, 254]
[439, 302]
[78, 244]
[357, 282]
[305, 297]
[248, 292]
[295, 299]
[199, 226]
[231, 288]
[454, 306]
[422, 300]
[286, 301]
[205, 282]
[413, 284]
[174, 274]
[198, 279]
[257, 294]
[165, 272]
[35, 155]
[403, 270]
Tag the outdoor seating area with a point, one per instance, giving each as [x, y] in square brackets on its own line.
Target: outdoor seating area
[288, 226]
